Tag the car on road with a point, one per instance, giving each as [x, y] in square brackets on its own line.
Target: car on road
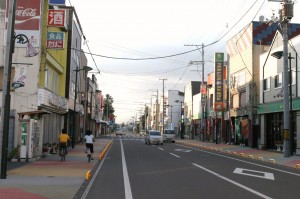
[119, 132]
[154, 137]
[142, 133]
[169, 135]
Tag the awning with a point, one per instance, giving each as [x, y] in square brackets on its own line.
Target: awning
[34, 112]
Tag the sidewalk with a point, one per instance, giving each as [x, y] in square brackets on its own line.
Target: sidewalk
[49, 177]
[246, 152]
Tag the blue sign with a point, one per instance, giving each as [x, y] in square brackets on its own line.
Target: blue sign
[57, 2]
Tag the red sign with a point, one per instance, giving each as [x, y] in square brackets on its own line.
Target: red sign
[56, 18]
[27, 14]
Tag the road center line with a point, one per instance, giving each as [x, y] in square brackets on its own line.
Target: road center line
[175, 155]
[128, 193]
[233, 182]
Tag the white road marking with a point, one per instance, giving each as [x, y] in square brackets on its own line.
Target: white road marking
[175, 155]
[183, 150]
[160, 148]
[233, 182]
[88, 187]
[224, 156]
[128, 193]
[253, 173]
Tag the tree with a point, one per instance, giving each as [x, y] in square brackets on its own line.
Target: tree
[108, 111]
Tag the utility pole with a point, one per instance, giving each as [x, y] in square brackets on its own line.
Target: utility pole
[163, 106]
[287, 14]
[5, 113]
[203, 88]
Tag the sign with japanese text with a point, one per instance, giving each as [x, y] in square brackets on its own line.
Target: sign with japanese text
[55, 40]
[57, 18]
[219, 78]
[27, 22]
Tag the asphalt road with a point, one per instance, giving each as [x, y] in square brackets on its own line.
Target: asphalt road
[132, 169]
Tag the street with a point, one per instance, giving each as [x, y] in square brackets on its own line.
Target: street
[132, 169]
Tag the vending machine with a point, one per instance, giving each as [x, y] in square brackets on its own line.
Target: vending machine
[27, 133]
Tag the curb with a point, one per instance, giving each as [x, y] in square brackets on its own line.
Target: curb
[88, 174]
[243, 155]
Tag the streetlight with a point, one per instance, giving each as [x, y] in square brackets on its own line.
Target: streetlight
[86, 69]
[181, 120]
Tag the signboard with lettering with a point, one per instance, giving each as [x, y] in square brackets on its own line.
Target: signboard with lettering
[219, 78]
[57, 18]
[27, 22]
[55, 40]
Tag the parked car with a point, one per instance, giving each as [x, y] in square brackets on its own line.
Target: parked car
[169, 135]
[154, 137]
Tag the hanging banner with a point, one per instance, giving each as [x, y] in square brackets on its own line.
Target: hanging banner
[245, 129]
[20, 77]
[237, 128]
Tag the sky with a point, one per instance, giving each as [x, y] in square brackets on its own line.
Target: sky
[123, 34]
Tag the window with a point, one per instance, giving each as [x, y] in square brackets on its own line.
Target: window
[51, 80]
[278, 80]
[211, 100]
[243, 100]
[266, 84]
[293, 77]
[235, 100]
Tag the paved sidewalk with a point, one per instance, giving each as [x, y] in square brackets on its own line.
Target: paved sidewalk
[246, 152]
[49, 177]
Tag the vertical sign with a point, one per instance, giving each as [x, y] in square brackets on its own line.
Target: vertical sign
[219, 62]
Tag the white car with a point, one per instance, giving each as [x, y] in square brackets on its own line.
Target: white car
[169, 135]
[154, 137]
[142, 133]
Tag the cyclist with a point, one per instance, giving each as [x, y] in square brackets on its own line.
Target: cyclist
[63, 140]
[89, 140]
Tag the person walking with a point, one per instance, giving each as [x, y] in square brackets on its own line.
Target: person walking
[89, 142]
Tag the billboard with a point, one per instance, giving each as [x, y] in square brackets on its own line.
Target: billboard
[219, 80]
[27, 21]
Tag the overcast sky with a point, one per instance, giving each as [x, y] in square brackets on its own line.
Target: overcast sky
[138, 29]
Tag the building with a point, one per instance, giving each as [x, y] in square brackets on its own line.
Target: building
[44, 76]
[270, 109]
[244, 50]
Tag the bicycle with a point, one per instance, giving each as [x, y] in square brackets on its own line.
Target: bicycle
[89, 154]
[62, 153]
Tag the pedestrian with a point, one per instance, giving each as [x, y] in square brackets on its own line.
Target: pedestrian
[89, 140]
